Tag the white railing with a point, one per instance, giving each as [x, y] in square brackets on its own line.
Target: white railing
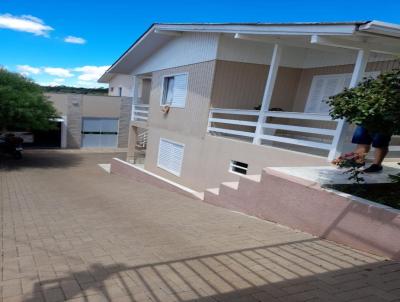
[243, 123]
[140, 112]
[141, 141]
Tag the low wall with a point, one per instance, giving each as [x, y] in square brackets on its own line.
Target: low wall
[306, 206]
[138, 174]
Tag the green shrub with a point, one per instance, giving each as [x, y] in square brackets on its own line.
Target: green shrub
[374, 104]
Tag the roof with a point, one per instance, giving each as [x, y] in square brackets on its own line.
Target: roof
[151, 39]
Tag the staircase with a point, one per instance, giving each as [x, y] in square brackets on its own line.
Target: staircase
[237, 195]
[140, 148]
[141, 142]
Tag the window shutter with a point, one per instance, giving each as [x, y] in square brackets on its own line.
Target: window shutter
[170, 156]
[180, 90]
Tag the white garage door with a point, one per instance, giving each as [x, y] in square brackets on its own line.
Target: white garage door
[99, 132]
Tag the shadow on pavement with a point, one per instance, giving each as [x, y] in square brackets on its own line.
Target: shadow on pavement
[296, 271]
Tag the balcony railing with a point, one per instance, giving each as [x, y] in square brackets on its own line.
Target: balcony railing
[293, 128]
[140, 112]
[302, 129]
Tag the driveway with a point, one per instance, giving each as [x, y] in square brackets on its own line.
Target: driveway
[70, 231]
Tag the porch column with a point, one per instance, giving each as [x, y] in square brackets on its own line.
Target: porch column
[269, 88]
[133, 97]
[343, 126]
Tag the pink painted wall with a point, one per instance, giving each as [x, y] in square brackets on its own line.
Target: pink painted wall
[305, 206]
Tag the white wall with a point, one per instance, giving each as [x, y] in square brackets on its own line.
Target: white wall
[189, 48]
[121, 80]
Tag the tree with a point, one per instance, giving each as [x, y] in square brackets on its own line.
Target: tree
[23, 104]
[373, 104]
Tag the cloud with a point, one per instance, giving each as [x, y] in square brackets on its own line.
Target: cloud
[27, 70]
[25, 23]
[74, 40]
[58, 72]
[91, 73]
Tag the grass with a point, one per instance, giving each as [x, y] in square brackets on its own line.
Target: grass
[386, 193]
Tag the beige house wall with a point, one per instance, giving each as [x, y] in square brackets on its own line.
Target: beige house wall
[60, 102]
[191, 120]
[228, 85]
[101, 106]
[206, 160]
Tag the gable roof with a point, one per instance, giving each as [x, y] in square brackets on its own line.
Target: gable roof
[159, 34]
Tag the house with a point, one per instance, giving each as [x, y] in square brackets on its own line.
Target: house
[216, 101]
[86, 121]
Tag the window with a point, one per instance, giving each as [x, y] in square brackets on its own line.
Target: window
[324, 86]
[119, 91]
[238, 167]
[170, 156]
[174, 90]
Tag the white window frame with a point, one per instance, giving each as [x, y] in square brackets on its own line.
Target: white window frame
[158, 156]
[163, 88]
[367, 74]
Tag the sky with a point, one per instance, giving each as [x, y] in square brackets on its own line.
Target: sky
[72, 42]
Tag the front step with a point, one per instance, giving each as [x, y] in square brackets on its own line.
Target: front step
[231, 184]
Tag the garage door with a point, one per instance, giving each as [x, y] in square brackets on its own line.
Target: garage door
[99, 133]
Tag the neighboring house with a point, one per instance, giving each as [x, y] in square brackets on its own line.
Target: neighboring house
[87, 121]
[198, 90]
[120, 85]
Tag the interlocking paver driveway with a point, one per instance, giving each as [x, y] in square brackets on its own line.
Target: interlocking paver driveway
[72, 231]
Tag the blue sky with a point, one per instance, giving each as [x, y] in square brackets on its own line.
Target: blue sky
[73, 41]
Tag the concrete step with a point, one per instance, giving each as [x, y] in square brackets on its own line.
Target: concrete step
[231, 184]
[212, 196]
[214, 191]
[255, 177]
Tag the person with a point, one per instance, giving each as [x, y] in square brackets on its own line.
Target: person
[364, 139]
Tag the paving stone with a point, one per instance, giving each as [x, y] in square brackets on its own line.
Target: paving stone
[71, 232]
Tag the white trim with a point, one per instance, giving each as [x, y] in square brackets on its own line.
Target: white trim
[330, 132]
[235, 111]
[233, 122]
[232, 132]
[177, 173]
[390, 49]
[294, 141]
[358, 72]
[268, 90]
[265, 29]
[299, 115]
[162, 88]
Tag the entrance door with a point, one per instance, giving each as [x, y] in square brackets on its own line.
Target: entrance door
[99, 132]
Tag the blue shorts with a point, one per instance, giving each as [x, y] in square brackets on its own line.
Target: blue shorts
[362, 137]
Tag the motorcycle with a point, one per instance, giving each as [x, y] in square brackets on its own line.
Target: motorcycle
[11, 145]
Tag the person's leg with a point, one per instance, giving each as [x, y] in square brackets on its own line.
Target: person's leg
[380, 154]
[381, 145]
[362, 149]
[363, 140]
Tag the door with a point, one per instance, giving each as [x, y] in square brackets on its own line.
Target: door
[99, 132]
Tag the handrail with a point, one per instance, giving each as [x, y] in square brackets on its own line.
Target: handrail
[239, 126]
